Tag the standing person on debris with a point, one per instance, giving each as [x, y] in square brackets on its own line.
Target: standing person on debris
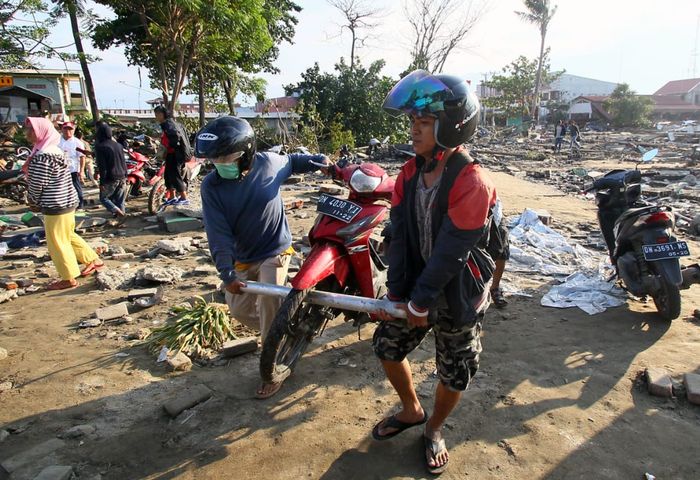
[438, 268]
[89, 170]
[499, 250]
[51, 191]
[177, 153]
[559, 133]
[111, 166]
[244, 218]
[71, 146]
[575, 134]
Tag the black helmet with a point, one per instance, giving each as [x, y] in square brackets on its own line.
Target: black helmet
[446, 97]
[224, 136]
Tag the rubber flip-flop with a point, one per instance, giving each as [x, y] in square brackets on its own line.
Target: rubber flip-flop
[432, 450]
[393, 422]
[61, 285]
[92, 267]
[276, 388]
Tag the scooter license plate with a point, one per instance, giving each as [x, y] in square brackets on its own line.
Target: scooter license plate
[661, 251]
[337, 208]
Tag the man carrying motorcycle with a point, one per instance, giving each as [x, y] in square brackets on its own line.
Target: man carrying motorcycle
[438, 268]
[244, 218]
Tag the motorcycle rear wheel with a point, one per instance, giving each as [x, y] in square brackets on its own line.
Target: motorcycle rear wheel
[294, 327]
[668, 300]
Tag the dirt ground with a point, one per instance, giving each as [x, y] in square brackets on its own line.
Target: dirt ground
[558, 395]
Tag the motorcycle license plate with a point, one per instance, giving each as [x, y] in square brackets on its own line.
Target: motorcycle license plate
[661, 251]
[337, 208]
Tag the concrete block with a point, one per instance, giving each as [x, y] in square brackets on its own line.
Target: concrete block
[179, 362]
[25, 282]
[142, 292]
[123, 256]
[181, 224]
[3, 353]
[187, 399]
[55, 472]
[33, 454]
[241, 346]
[692, 387]
[112, 311]
[659, 382]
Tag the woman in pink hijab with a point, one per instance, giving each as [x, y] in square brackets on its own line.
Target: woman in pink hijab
[51, 192]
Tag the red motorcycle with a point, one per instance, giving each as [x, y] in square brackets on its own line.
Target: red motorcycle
[159, 194]
[137, 167]
[343, 259]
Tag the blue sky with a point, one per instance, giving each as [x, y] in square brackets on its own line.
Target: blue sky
[644, 43]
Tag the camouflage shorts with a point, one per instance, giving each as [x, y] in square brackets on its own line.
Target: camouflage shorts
[457, 349]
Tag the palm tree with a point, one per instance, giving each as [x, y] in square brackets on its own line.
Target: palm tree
[538, 13]
[73, 8]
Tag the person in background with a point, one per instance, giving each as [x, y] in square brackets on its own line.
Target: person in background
[499, 250]
[559, 133]
[51, 192]
[177, 152]
[244, 218]
[575, 134]
[71, 146]
[111, 165]
[86, 150]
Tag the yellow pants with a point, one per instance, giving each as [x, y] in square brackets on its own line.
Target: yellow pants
[66, 247]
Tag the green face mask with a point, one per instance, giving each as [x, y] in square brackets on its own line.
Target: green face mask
[229, 172]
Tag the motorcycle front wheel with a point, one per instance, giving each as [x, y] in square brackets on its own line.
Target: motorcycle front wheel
[294, 327]
[668, 300]
[156, 197]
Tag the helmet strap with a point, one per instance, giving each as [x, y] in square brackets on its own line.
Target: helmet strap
[438, 155]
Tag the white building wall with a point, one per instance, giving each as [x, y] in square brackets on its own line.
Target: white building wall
[573, 86]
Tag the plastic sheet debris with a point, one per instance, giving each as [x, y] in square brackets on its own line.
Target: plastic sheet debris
[590, 294]
[535, 247]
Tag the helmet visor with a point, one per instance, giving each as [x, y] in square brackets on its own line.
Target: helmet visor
[417, 93]
[227, 159]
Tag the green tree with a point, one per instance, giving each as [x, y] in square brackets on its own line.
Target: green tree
[25, 27]
[349, 99]
[75, 8]
[169, 38]
[539, 13]
[627, 108]
[516, 85]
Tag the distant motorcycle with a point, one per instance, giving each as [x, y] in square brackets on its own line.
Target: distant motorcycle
[13, 181]
[640, 239]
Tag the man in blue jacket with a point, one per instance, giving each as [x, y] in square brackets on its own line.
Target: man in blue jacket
[244, 218]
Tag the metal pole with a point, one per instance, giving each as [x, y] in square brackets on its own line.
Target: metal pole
[328, 299]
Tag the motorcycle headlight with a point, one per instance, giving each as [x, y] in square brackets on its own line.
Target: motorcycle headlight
[363, 183]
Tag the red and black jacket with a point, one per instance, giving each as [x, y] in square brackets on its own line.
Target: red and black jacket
[459, 266]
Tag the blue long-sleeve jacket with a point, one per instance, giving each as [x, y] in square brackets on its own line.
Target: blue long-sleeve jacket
[244, 219]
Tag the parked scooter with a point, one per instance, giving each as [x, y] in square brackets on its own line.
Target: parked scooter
[343, 259]
[138, 167]
[640, 238]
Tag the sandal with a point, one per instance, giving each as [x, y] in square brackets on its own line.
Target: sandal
[499, 300]
[92, 267]
[62, 284]
[393, 422]
[275, 388]
[432, 450]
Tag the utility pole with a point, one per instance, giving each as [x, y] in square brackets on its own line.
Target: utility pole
[694, 53]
